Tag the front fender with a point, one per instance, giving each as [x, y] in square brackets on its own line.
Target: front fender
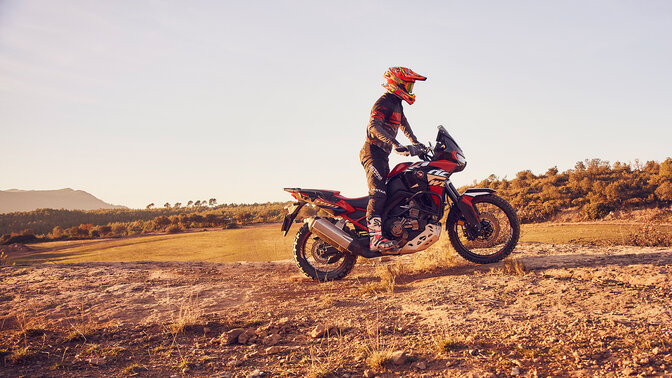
[475, 192]
[464, 207]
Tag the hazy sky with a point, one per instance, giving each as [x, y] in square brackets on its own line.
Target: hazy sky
[170, 101]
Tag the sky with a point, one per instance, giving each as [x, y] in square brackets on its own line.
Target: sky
[140, 101]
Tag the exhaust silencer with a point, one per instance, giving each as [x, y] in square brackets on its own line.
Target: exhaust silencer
[331, 234]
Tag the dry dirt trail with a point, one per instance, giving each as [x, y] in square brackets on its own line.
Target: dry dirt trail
[575, 311]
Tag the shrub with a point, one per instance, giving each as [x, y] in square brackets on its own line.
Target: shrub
[26, 236]
[174, 229]
[597, 210]
[649, 236]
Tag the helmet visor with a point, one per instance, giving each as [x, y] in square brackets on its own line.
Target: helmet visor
[408, 87]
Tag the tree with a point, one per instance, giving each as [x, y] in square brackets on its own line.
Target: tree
[197, 203]
[664, 191]
[212, 202]
[150, 206]
[177, 205]
[190, 203]
[166, 205]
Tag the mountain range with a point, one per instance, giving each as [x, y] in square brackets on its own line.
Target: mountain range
[27, 200]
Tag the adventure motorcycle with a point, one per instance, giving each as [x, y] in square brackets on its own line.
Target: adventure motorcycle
[482, 227]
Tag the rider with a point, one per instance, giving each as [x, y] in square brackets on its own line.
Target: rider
[387, 117]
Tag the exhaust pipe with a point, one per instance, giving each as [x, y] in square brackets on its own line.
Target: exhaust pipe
[333, 235]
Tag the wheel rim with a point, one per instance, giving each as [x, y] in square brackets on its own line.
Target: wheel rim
[322, 256]
[496, 232]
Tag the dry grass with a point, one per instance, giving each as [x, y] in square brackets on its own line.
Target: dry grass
[650, 235]
[513, 267]
[447, 344]
[439, 256]
[22, 355]
[29, 325]
[4, 260]
[326, 357]
[585, 233]
[377, 354]
[262, 243]
[187, 314]
[83, 328]
[133, 369]
[266, 243]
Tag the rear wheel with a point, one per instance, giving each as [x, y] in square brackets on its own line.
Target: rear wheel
[500, 230]
[319, 260]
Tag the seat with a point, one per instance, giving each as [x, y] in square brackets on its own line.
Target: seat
[358, 203]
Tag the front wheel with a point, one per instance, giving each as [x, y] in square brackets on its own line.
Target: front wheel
[319, 260]
[500, 230]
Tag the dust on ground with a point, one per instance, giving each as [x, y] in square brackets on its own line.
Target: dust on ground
[556, 310]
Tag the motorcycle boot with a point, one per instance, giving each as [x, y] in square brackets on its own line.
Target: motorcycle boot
[377, 242]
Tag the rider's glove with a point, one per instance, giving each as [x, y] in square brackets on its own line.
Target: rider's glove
[417, 148]
[402, 150]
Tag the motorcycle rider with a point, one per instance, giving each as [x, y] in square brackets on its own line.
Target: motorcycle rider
[387, 117]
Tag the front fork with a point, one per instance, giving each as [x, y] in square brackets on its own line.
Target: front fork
[465, 205]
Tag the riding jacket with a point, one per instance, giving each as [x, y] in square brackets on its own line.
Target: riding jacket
[387, 118]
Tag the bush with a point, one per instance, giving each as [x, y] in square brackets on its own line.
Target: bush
[25, 237]
[597, 210]
[649, 236]
[174, 229]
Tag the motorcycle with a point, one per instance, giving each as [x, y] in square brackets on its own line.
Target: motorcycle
[482, 227]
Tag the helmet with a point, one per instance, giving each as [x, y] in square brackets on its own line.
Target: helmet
[400, 80]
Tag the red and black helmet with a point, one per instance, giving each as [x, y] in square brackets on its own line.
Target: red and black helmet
[400, 80]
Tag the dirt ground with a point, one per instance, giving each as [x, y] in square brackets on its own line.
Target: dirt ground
[555, 310]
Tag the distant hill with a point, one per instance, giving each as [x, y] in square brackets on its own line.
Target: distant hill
[27, 200]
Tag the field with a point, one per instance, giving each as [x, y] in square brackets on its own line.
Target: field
[266, 243]
[570, 301]
[262, 243]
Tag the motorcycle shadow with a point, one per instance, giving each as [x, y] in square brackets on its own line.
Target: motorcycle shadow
[585, 260]
[406, 278]
[522, 264]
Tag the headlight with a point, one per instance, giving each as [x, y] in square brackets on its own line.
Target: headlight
[459, 158]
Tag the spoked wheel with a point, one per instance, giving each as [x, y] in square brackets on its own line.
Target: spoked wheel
[500, 230]
[319, 260]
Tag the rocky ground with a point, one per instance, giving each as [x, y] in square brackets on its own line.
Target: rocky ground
[552, 310]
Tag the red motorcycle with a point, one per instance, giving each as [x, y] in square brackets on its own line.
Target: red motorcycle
[482, 227]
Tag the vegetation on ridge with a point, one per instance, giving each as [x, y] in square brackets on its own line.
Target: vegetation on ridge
[594, 188]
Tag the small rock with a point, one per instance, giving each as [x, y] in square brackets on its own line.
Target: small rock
[206, 330]
[321, 330]
[271, 339]
[273, 350]
[231, 337]
[421, 365]
[246, 336]
[399, 357]
[256, 373]
[234, 363]
[628, 371]
[655, 351]
[515, 371]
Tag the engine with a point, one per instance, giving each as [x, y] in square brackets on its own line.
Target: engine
[410, 205]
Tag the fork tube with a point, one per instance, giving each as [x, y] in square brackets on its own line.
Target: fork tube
[465, 206]
[452, 193]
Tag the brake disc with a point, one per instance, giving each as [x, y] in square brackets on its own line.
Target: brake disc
[489, 233]
[323, 253]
